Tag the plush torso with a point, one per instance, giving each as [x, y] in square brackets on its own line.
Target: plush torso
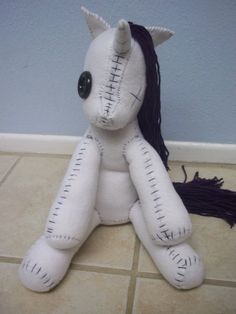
[116, 193]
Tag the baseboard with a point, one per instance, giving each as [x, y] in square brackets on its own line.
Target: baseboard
[202, 152]
[36, 143]
[56, 144]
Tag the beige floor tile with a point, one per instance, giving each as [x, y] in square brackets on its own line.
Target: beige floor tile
[156, 296]
[108, 246]
[25, 198]
[145, 262]
[80, 292]
[6, 162]
[216, 243]
[212, 238]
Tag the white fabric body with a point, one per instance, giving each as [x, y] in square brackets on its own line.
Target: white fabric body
[115, 176]
[164, 213]
[73, 207]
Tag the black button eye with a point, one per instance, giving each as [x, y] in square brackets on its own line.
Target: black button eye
[85, 84]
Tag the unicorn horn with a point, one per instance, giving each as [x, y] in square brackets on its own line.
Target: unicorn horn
[122, 40]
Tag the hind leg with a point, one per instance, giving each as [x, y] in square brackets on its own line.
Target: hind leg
[179, 264]
[44, 266]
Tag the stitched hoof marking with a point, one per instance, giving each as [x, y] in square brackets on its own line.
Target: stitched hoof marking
[34, 277]
[189, 271]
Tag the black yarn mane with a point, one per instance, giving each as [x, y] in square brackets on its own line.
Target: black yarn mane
[200, 196]
[149, 116]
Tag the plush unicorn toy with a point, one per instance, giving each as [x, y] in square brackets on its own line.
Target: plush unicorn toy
[116, 174]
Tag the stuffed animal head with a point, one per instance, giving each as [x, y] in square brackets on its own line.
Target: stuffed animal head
[113, 82]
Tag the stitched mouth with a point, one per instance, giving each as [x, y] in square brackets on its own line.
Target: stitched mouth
[104, 122]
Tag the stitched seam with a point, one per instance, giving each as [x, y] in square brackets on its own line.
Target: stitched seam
[109, 221]
[110, 88]
[164, 235]
[113, 81]
[104, 83]
[62, 236]
[122, 73]
[44, 277]
[183, 264]
[125, 146]
[115, 221]
[153, 187]
[99, 145]
[61, 200]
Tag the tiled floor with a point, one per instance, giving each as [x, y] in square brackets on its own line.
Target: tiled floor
[112, 273]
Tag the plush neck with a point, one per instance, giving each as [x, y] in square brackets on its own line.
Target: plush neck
[120, 135]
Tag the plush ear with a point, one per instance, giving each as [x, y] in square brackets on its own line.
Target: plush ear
[159, 34]
[96, 24]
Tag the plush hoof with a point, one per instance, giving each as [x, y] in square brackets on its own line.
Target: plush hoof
[44, 267]
[193, 276]
[186, 270]
[62, 242]
[35, 278]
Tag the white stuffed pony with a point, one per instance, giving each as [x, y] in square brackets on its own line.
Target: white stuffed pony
[115, 176]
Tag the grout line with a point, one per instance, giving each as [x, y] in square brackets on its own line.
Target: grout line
[10, 260]
[104, 270]
[207, 281]
[59, 156]
[220, 282]
[9, 154]
[25, 154]
[10, 170]
[125, 272]
[143, 274]
[132, 283]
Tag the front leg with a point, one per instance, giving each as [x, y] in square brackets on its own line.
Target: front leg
[72, 209]
[166, 217]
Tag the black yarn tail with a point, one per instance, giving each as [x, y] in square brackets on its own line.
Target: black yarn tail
[205, 197]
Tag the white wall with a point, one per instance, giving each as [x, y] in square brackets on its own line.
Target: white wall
[43, 44]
